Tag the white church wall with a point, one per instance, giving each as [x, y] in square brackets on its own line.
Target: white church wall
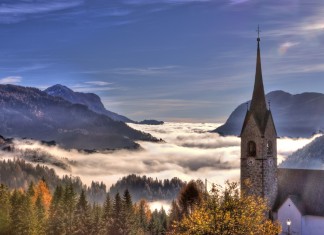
[288, 210]
[312, 225]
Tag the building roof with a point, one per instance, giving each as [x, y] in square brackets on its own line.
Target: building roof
[304, 187]
[258, 103]
[258, 108]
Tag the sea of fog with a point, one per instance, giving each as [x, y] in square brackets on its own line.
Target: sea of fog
[189, 151]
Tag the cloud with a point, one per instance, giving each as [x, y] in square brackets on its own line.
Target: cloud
[99, 83]
[234, 2]
[145, 2]
[145, 71]
[11, 80]
[190, 152]
[14, 12]
[284, 47]
[34, 7]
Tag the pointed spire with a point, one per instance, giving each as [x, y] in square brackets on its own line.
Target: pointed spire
[258, 103]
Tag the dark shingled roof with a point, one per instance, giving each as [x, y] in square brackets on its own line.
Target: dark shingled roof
[258, 107]
[258, 102]
[306, 186]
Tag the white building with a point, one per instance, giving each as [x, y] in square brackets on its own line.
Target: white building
[300, 200]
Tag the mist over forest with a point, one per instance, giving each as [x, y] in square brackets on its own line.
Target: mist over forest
[189, 151]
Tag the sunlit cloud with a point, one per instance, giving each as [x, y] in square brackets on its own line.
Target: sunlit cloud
[11, 80]
[284, 47]
[142, 2]
[37, 7]
[145, 71]
[189, 152]
[99, 83]
[18, 11]
[234, 2]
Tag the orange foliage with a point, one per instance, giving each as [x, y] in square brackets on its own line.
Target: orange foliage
[42, 190]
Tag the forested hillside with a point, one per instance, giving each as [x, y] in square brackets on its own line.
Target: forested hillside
[148, 188]
[20, 174]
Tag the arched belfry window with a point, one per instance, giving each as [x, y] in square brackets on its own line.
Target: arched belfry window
[269, 147]
[251, 149]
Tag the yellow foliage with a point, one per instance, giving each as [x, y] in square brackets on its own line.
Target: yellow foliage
[228, 212]
[42, 190]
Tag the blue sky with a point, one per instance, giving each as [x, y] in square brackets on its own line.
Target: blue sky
[174, 60]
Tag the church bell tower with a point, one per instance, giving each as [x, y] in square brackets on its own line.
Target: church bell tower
[259, 144]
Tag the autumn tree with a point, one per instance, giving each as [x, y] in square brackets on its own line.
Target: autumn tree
[42, 191]
[189, 196]
[226, 212]
[143, 214]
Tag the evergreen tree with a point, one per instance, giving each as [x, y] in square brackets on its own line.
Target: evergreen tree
[107, 216]
[128, 218]
[96, 220]
[40, 216]
[31, 189]
[4, 210]
[27, 221]
[155, 226]
[56, 221]
[15, 204]
[117, 216]
[82, 220]
[175, 213]
[143, 214]
[69, 203]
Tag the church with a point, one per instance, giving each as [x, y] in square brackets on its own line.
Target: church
[296, 196]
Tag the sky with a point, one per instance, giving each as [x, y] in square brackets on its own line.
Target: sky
[171, 60]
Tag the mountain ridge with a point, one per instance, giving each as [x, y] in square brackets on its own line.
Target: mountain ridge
[91, 100]
[28, 112]
[298, 115]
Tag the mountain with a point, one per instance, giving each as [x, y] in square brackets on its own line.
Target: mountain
[298, 115]
[92, 101]
[310, 156]
[151, 122]
[31, 113]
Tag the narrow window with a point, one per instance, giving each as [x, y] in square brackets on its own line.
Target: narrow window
[251, 149]
[269, 147]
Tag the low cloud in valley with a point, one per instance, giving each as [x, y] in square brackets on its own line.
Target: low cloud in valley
[189, 152]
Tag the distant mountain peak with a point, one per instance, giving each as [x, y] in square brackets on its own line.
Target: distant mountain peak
[32, 113]
[59, 90]
[91, 100]
[295, 115]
